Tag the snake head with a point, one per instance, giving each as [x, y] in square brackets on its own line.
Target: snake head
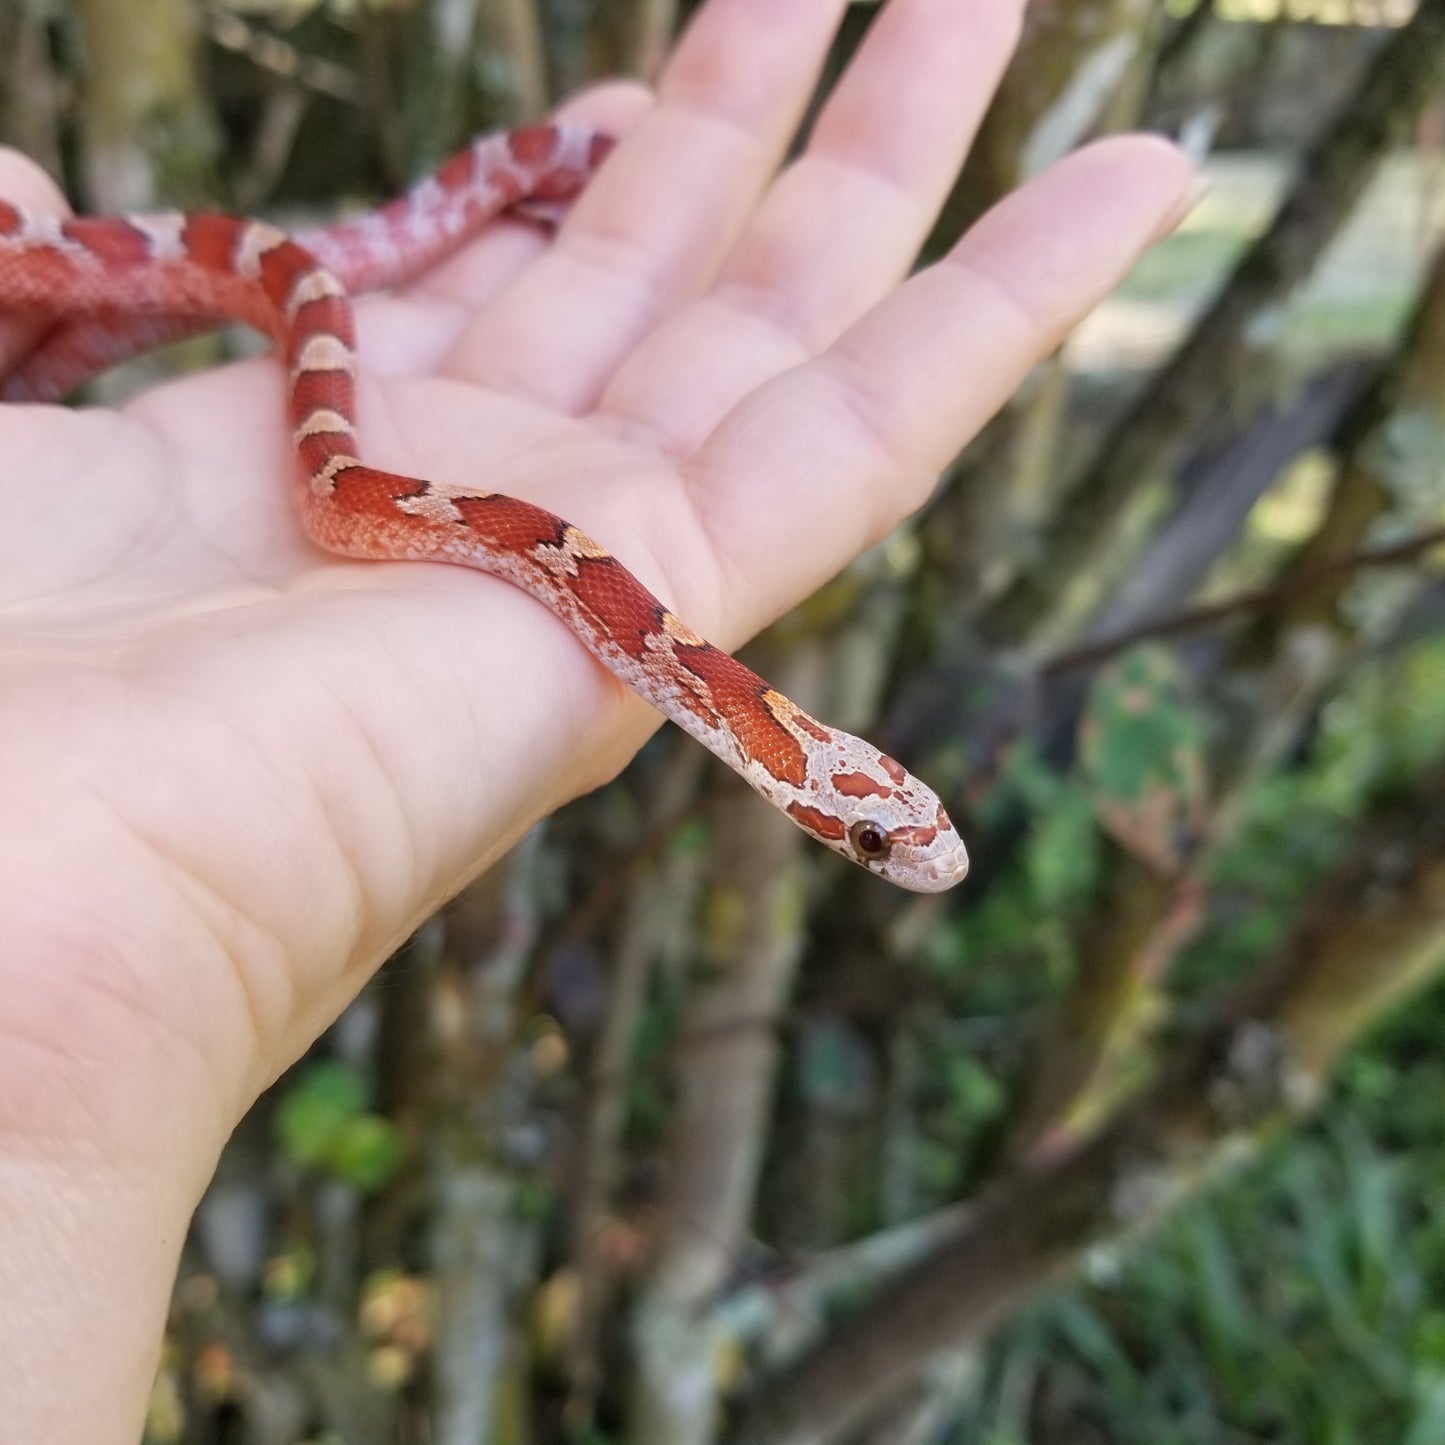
[871, 809]
[927, 855]
[837, 788]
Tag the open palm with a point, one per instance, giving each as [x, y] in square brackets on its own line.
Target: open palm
[236, 771]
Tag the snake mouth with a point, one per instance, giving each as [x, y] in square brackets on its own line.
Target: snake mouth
[937, 875]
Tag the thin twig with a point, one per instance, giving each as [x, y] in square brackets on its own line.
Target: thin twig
[279, 57]
[1199, 619]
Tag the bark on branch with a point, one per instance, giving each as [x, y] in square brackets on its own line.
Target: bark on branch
[1305, 583]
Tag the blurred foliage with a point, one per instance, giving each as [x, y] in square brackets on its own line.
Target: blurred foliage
[1141, 751]
[1302, 1305]
[323, 1124]
[1384, 726]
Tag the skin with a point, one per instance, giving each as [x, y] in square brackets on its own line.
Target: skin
[237, 772]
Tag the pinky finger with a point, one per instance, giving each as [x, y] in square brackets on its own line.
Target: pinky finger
[842, 448]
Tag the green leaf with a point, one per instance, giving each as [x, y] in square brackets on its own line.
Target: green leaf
[368, 1152]
[1062, 855]
[316, 1112]
[1142, 755]
[975, 1091]
[337, 1083]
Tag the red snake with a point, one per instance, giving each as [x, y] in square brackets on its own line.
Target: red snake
[113, 286]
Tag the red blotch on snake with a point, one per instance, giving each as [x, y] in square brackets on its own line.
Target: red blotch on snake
[738, 692]
[860, 785]
[822, 825]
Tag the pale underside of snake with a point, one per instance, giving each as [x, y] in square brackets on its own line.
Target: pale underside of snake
[110, 287]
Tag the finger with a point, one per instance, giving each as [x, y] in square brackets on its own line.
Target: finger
[411, 333]
[665, 208]
[841, 225]
[23, 183]
[839, 450]
[479, 270]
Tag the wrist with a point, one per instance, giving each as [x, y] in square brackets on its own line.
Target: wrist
[89, 1257]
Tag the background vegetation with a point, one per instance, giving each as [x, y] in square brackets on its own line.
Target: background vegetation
[659, 1138]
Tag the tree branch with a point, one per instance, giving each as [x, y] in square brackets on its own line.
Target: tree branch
[1244, 604]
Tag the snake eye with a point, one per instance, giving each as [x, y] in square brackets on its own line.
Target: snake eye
[870, 841]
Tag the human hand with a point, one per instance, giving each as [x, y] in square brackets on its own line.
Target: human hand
[237, 772]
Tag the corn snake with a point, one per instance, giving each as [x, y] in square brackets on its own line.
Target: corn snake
[110, 287]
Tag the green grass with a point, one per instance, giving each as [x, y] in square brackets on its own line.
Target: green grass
[1305, 1305]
